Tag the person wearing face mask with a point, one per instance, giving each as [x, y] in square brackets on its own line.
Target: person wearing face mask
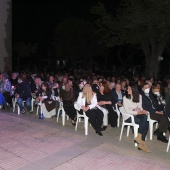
[150, 104]
[159, 97]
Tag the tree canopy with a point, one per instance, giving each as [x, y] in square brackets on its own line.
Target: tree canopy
[75, 39]
[144, 22]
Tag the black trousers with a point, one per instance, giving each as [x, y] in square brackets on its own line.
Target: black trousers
[8, 97]
[112, 116]
[162, 120]
[95, 118]
[70, 111]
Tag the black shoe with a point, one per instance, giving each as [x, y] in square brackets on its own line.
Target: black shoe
[23, 112]
[73, 122]
[169, 128]
[156, 132]
[162, 139]
[99, 133]
[104, 128]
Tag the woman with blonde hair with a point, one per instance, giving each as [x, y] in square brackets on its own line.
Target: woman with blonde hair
[87, 102]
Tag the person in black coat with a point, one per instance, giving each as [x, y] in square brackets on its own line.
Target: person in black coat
[150, 104]
[167, 106]
[23, 93]
[105, 100]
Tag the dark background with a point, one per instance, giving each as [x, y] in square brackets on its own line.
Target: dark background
[35, 21]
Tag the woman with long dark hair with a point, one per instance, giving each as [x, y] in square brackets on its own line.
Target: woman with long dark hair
[67, 96]
[48, 104]
[105, 100]
[132, 104]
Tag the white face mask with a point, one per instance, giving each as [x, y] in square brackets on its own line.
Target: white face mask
[157, 93]
[146, 91]
[63, 87]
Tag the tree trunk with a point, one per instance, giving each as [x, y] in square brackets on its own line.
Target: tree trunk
[152, 51]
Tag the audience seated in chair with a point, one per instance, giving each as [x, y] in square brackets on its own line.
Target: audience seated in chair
[117, 95]
[132, 104]
[151, 105]
[23, 93]
[67, 96]
[87, 102]
[6, 88]
[105, 100]
[48, 104]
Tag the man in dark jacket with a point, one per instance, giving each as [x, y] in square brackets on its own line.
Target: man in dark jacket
[23, 93]
[150, 104]
[117, 95]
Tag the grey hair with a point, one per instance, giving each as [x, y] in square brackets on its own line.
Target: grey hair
[5, 76]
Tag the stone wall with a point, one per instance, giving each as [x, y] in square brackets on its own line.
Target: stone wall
[5, 35]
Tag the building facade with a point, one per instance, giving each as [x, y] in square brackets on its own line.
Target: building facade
[5, 35]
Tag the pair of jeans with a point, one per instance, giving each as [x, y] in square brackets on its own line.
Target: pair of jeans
[27, 102]
[141, 120]
[2, 99]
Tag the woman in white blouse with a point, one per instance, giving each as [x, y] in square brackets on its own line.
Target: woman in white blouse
[87, 102]
[132, 104]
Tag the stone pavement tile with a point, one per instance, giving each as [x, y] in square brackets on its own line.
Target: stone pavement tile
[109, 157]
[60, 157]
[157, 147]
[12, 163]
[47, 144]
[32, 144]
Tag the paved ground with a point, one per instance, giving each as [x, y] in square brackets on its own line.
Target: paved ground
[28, 143]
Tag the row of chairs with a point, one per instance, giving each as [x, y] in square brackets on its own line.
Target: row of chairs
[83, 118]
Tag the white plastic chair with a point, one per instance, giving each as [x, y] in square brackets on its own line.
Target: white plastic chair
[118, 114]
[151, 123]
[64, 115]
[40, 105]
[46, 113]
[135, 126]
[167, 149]
[79, 116]
[14, 102]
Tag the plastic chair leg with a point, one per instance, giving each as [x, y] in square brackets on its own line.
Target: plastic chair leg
[151, 130]
[86, 126]
[167, 149]
[121, 131]
[128, 130]
[63, 117]
[76, 123]
[18, 110]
